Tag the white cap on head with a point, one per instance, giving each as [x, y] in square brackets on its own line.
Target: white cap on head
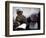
[19, 9]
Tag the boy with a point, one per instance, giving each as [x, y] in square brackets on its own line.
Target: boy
[20, 19]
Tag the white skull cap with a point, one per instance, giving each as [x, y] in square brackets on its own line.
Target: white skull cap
[19, 9]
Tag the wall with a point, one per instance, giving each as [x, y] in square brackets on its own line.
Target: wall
[2, 19]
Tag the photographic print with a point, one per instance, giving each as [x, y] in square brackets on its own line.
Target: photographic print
[24, 18]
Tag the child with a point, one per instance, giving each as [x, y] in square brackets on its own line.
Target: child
[20, 19]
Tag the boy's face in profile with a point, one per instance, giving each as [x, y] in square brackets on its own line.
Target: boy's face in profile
[19, 13]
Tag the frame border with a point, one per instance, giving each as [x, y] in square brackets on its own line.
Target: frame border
[7, 18]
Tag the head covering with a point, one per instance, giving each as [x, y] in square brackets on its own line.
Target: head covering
[19, 11]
